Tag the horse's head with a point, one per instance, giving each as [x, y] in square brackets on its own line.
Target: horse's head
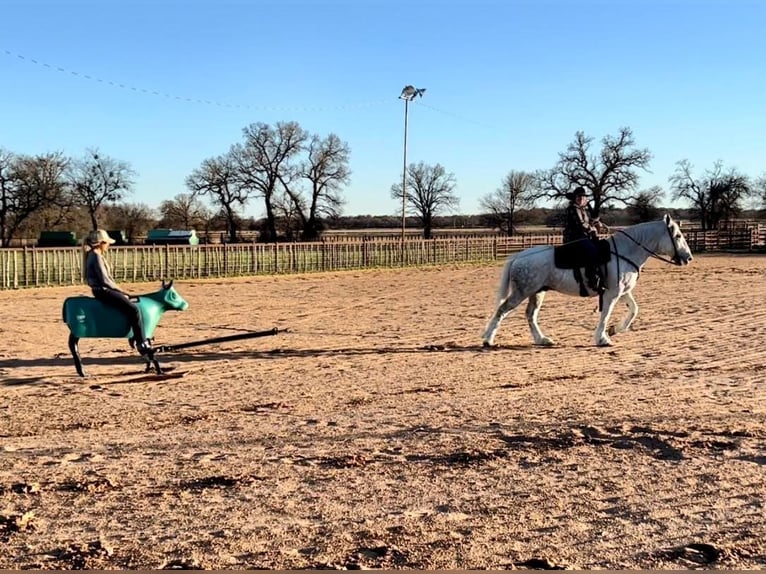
[676, 246]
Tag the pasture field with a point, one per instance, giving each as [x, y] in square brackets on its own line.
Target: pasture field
[377, 433]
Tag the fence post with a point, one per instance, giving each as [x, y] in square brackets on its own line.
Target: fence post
[322, 256]
[34, 267]
[276, 258]
[24, 267]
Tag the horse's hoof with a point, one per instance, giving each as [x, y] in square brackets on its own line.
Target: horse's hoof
[546, 342]
[486, 344]
[611, 331]
[604, 343]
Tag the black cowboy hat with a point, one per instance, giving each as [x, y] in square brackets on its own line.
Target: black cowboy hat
[578, 192]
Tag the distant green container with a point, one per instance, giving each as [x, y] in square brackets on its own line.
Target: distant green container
[57, 239]
[172, 237]
[119, 236]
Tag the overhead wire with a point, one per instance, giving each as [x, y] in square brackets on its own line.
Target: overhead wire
[456, 116]
[187, 99]
[230, 105]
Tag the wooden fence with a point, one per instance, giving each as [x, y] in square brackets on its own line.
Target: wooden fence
[39, 267]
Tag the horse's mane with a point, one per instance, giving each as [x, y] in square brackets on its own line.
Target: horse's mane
[645, 229]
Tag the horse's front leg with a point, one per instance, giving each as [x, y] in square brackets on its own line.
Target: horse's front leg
[533, 309]
[609, 300]
[625, 324]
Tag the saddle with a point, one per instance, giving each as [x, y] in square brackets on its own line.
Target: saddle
[591, 255]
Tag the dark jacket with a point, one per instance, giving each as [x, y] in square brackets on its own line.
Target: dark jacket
[579, 224]
[97, 272]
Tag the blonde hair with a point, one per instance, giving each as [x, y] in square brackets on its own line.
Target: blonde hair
[85, 250]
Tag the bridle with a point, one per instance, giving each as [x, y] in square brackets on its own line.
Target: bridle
[675, 260]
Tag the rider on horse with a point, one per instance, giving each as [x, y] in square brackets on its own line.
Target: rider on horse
[581, 226]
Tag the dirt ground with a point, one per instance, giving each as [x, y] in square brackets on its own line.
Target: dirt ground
[377, 433]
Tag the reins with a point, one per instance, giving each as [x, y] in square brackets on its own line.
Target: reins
[674, 261]
[621, 256]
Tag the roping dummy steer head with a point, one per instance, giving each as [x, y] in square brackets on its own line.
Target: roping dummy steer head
[88, 317]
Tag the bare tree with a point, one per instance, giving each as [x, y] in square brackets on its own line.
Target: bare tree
[517, 191]
[610, 175]
[289, 213]
[644, 207]
[55, 215]
[133, 218]
[265, 163]
[184, 211]
[60, 208]
[97, 180]
[9, 191]
[716, 196]
[430, 190]
[218, 179]
[326, 171]
[27, 185]
[760, 189]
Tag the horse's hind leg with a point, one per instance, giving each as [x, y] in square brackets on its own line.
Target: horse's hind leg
[533, 309]
[506, 306]
[75, 350]
[625, 324]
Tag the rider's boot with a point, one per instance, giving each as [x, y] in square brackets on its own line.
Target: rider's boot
[144, 347]
[594, 280]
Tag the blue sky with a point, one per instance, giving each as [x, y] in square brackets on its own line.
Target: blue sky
[508, 83]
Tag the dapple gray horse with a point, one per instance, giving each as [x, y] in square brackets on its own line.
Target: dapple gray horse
[530, 273]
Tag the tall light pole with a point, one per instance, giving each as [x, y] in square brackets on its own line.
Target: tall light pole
[408, 94]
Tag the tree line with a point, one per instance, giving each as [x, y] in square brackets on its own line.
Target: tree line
[611, 172]
[299, 177]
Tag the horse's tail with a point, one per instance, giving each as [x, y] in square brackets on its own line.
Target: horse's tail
[505, 279]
